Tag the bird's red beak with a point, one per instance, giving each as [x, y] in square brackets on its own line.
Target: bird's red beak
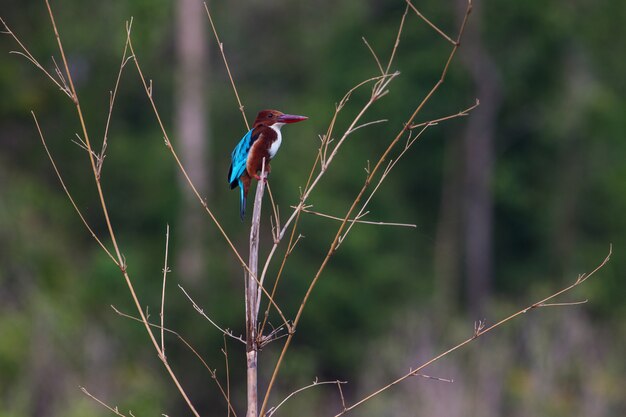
[290, 118]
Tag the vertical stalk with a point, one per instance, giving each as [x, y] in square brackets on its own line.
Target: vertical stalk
[252, 308]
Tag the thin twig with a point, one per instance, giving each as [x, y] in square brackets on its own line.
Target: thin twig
[343, 400]
[312, 181]
[324, 160]
[165, 271]
[480, 330]
[202, 201]
[356, 220]
[392, 163]
[566, 304]
[275, 210]
[26, 54]
[381, 88]
[113, 95]
[386, 171]
[367, 124]
[410, 141]
[211, 371]
[68, 194]
[81, 144]
[168, 143]
[436, 378]
[433, 122]
[315, 383]
[230, 76]
[279, 274]
[380, 67]
[114, 410]
[225, 352]
[431, 24]
[120, 258]
[275, 334]
[395, 46]
[201, 311]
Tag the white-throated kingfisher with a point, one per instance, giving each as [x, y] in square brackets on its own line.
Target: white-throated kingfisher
[262, 141]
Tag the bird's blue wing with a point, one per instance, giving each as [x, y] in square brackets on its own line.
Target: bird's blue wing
[239, 157]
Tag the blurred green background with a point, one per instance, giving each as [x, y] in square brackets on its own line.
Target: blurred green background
[510, 204]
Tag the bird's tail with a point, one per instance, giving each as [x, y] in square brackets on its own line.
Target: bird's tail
[242, 200]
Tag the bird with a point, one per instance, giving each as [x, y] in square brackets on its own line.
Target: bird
[262, 141]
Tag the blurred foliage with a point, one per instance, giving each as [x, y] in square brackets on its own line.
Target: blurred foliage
[559, 196]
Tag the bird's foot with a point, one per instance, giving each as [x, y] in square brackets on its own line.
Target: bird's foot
[258, 178]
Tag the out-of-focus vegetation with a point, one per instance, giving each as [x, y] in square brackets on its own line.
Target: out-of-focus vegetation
[558, 196]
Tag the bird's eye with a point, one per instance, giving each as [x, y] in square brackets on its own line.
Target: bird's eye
[270, 115]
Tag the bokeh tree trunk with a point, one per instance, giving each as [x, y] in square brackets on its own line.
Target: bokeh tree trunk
[479, 143]
[190, 109]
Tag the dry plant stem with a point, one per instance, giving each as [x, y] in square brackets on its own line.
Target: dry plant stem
[343, 400]
[275, 211]
[296, 213]
[431, 24]
[280, 271]
[480, 330]
[230, 76]
[371, 175]
[393, 162]
[168, 143]
[26, 54]
[165, 271]
[395, 46]
[225, 352]
[295, 216]
[315, 383]
[566, 304]
[113, 95]
[357, 219]
[324, 160]
[212, 372]
[69, 195]
[380, 67]
[114, 410]
[433, 122]
[449, 381]
[225, 332]
[120, 258]
[252, 302]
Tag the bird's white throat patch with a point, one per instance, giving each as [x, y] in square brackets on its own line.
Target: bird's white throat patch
[279, 139]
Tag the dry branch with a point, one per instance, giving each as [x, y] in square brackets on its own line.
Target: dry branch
[165, 271]
[230, 76]
[118, 258]
[315, 383]
[168, 143]
[480, 329]
[196, 307]
[329, 147]
[114, 410]
[253, 295]
[378, 91]
[357, 219]
[212, 372]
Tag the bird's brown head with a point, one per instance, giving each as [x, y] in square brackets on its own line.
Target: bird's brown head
[270, 117]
